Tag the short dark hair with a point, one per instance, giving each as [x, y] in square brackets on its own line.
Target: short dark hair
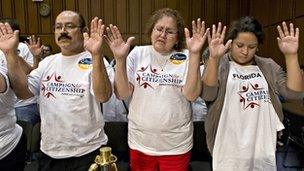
[82, 22]
[12, 22]
[157, 15]
[245, 24]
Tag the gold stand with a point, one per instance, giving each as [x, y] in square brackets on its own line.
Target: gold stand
[105, 161]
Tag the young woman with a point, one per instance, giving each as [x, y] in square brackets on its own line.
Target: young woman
[245, 112]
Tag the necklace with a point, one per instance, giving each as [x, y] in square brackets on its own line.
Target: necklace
[161, 62]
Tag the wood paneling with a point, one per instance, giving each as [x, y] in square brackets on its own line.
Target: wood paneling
[299, 8]
[130, 16]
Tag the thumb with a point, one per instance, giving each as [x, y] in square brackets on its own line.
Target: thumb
[85, 35]
[16, 34]
[130, 40]
[228, 44]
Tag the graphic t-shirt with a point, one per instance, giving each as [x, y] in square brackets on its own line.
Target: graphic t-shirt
[246, 135]
[71, 119]
[159, 115]
[10, 132]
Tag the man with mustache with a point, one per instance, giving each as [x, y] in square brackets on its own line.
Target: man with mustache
[70, 86]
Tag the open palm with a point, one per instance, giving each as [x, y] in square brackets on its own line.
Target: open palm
[8, 39]
[217, 48]
[93, 42]
[34, 46]
[118, 46]
[199, 36]
[288, 40]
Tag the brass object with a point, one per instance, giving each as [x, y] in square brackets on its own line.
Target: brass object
[105, 161]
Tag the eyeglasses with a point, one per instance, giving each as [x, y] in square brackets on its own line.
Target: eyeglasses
[168, 31]
[67, 27]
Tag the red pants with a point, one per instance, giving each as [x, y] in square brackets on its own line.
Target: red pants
[142, 162]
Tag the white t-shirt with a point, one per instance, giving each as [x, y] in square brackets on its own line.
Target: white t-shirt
[247, 130]
[10, 132]
[24, 52]
[71, 119]
[160, 121]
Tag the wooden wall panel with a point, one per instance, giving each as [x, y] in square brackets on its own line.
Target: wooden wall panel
[122, 16]
[20, 15]
[129, 15]
[299, 8]
[7, 9]
[69, 4]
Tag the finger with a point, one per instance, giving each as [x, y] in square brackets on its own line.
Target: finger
[9, 29]
[198, 26]
[203, 29]
[114, 34]
[223, 33]
[193, 27]
[285, 29]
[108, 41]
[297, 33]
[16, 34]
[280, 31]
[94, 25]
[109, 34]
[6, 26]
[279, 40]
[291, 29]
[85, 35]
[219, 29]
[130, 40]
[30, 40]
[206, 34]
[213, 31]
[228, 44]
[1, 27]
[117, 32]
[187, 33]
[38, 42]
[100, 28]
[209, 36]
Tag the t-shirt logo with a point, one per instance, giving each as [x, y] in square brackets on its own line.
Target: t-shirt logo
[252, 94]
[178, 58]
[85, 63]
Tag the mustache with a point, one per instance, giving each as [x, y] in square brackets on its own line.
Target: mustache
[64, 36]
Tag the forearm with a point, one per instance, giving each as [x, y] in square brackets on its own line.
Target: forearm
[101, 83]
[3, 86]
[210, 76]
[192, 88]
[123, 90]
[26, 68]
[18, 78]
[36, 62]
[294, 76]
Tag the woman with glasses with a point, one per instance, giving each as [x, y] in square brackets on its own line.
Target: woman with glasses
[161, 85]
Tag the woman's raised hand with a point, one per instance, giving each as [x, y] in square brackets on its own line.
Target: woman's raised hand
[217, 48]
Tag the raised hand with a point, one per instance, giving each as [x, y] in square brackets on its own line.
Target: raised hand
[93, 41]
[199, 35]
[34, 46]
[288, 40]
[217, 48]
[9, 39]
[118, 46]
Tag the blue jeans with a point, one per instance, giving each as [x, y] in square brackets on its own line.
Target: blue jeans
[29, 113]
